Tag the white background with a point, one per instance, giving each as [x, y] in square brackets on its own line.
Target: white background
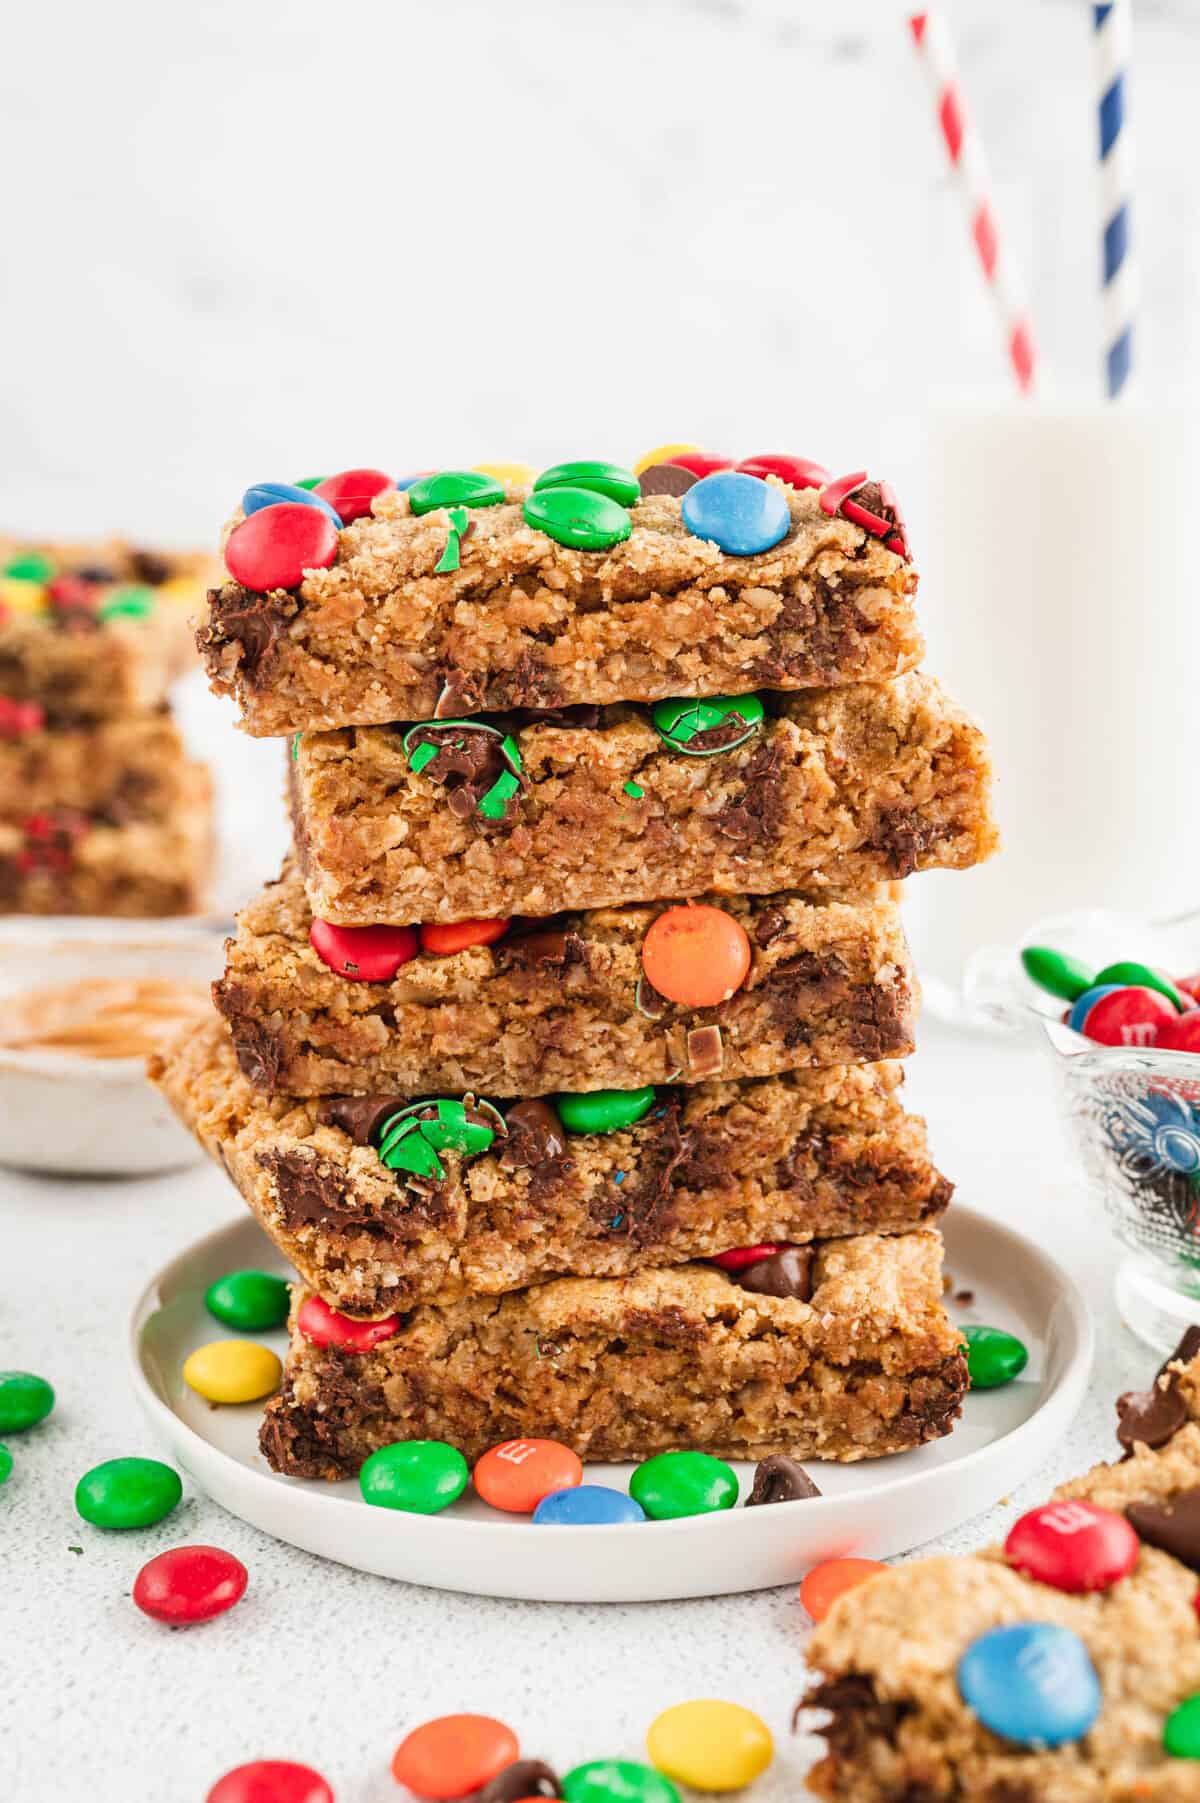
[245, 241]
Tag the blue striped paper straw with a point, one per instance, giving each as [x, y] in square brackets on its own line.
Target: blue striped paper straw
[1111, 28]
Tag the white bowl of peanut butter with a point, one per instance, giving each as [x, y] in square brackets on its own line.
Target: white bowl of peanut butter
[82, 1003]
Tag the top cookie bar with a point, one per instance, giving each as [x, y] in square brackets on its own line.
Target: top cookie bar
[467, 608]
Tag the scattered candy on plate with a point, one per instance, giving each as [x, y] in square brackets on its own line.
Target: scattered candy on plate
[420, 1477]
[994, 1357]
[232, 1371]
[250, 1301]
[190, 1584]
[674, 1484]
[516, 1475]
[587, 1505]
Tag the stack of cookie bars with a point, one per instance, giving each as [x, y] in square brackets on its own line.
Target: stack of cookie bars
[534, 720]
[101, 811]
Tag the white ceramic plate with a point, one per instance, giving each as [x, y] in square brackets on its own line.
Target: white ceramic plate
[875, 1509]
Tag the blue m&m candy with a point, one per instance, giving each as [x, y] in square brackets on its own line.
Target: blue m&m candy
[742, 514]
[1032, 1683]
[270, 494]
[585, 1506]
[1087, 1001]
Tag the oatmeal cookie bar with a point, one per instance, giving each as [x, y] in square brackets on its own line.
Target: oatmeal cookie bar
[626, 1367]
[698, 1171]
[88, 632]
[833, 788]
[115, 771]
[888, 1655]
[524, 621]
[64, 862]
[564, 1003]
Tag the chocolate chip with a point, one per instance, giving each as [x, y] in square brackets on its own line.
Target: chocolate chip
[1150, 1417]
[359, 1116]
[535, 1136]
[1186, 1350]
[584, 715]
[666, 479]
[786, 1273]
[150, 567]
[468, 761]
[705, 1053]
[534, 951]
[1173, 1528]
[524, 1778]
[779, 1479]
[768, 925]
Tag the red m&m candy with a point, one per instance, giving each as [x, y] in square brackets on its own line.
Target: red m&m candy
[272, 548]
[189, 1584]
[1128, 1016]
[459, 935]
[517, 1474]
[739, 1257]
[797, 472]
[365, 954]
[1181, 1034]
[351, 492]
[323, 1326]
[454, 1755]
[701, 463]
[271, 1781]
[20, 717]
[1073, 1546]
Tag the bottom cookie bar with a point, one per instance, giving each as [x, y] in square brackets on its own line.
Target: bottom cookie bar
[621, 1368]
[1076, 1616]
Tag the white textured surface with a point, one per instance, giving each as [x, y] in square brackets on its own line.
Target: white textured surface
[323, 1664]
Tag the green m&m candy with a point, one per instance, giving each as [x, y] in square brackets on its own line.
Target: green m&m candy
[1128, 972]
[617, 1781]
[30, 566]
[251, 1301]
[602, 478]
[428, 739]
[1181, 1734]
[1054, 972]
[411, 1138]
[24, 1401]
[692, 726]
[128, 604]
[5, 1464]
[310, 482]
[127, 1493]
[454, 488]
[993, 1356]
[674, 1484]
[578, 517]
[605, 1110]
[417, 1476]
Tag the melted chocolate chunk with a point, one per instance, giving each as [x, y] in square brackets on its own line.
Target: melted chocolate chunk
[716, 738]
[584, 714]
[308, 1189]
[786, 1273]
[860, 1715]
[636, 1210]
[559, 947]
[1185, 1352]
[903, 838]
[666, 479]
[150, 567]
[757, 818]
[359, 1116]
[1174, 1527]
[257, 1050]
[1150, 1417]
[779, 1479]
[468, 761]
[768, 925]
[535, 1136]
[524, 1778]
[255, 622]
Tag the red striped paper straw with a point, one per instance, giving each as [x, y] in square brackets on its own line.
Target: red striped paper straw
[969, 164]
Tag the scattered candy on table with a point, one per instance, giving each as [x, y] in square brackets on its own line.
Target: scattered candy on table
[587, 1505]
[697, 956]
[617, 1781]
[420, 1477]
[674, 1484]
[712, 1746]
[1032, 1683]
[190, 1584]
[251, 1301]
[127, 1493]
[453, 1755]
[6, 1464]
[271, 1781]
[821, 1587]
[994, 1357]
[1073, 1546]
[517, 1474]
[232, 1371]
[24, 1401]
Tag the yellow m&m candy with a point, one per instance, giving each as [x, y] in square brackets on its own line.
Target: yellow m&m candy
[22, 597]
[513, 475]
[710, 1745]
[232, 1371]
[662, 453]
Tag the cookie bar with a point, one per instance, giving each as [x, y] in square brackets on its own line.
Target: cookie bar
[692, 1173]
[63, 862]
[564, 1003]
[114, 771]
[447, 821]
[524, 621]
[889, 1657]
[621, 1368]
[88, 632]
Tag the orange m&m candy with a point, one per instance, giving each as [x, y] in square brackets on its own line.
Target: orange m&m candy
[457, 935]
[821, 1587]
[697, 956]
[517, 1474]
[453, 1755]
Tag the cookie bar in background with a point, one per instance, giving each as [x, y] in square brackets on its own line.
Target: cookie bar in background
[390, 630]
[448, 820]
[1063, 1667]
[381, 1202]
[859, 1361]
[523, 1007]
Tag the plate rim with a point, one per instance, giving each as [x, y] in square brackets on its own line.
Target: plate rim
[1063, 1399]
